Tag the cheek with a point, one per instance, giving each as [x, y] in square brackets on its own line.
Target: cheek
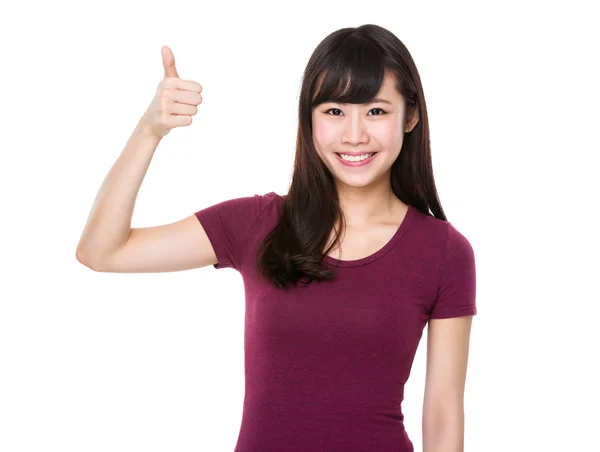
[389, 135]
[323, 133]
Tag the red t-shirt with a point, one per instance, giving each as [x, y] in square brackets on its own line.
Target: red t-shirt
[326, 364]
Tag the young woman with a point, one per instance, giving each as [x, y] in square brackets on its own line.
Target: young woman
[341, 274]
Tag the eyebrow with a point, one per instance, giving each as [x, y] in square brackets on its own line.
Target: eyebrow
[373, 101]
[379, 99]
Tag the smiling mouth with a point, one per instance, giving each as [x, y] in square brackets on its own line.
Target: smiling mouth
[356, 162]
[368, 154]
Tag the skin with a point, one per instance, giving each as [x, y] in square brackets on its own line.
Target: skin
[443, 421]
[365, 192]
[372, 213]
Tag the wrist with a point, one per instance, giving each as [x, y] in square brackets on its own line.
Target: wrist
[145, 130]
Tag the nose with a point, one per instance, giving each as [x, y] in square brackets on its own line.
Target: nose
[354, 130]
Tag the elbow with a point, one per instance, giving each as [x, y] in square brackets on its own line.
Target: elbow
[80, 257]
[85, 260]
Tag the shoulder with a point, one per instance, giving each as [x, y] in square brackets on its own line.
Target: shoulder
[442, 230]
[242, 207]
[268, 204]
[439, 241]
[254, 212]
[429, 231]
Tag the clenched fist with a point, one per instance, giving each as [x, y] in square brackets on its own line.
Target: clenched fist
[175, 102]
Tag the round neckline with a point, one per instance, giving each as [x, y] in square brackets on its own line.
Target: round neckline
[381, 251]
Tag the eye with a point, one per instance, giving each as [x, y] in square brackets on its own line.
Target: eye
[383, 112]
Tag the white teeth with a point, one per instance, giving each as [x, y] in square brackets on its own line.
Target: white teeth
[357, 158]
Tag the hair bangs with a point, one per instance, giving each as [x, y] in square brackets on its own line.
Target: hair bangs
[352, 74]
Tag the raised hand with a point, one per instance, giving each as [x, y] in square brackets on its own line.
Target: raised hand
[175, 101]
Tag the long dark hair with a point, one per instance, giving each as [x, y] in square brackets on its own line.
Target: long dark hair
[348, 66]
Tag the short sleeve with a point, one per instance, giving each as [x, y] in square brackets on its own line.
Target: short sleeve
[457, 282]
[227, 225]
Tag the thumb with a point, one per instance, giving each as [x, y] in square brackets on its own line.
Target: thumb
[169, 62]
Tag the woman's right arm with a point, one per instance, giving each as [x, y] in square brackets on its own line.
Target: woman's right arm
[108, 243]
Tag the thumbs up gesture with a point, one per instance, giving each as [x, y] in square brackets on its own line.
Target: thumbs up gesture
[175, 101]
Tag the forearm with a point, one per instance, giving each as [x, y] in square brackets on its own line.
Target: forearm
[444, 435]
[109, 221]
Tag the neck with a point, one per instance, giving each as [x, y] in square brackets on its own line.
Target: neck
[365, 206]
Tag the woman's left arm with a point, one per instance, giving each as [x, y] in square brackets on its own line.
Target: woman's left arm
[443, 403]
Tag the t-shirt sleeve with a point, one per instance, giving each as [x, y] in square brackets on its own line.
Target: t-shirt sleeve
[227, 225]
[457, 285]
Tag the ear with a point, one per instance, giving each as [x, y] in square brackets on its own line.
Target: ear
[412, 122]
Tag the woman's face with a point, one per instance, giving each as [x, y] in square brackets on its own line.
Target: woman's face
[361, 129]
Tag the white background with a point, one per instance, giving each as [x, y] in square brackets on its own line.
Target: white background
[154, 362]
